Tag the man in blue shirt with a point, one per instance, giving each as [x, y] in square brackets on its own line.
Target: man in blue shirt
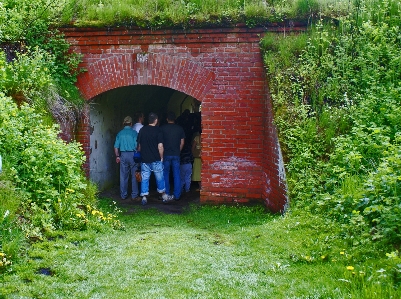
[124, 147]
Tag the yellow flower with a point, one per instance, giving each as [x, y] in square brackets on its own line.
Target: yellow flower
[342, 252]
[393, 254]
[350, 268]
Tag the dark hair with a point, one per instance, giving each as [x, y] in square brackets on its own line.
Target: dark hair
[171, 116]
[152, 117]
[137, 116]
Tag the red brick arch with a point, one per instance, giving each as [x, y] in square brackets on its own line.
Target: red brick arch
[146, 69]
[222, 68]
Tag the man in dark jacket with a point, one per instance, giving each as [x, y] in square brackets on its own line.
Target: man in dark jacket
[173, 141]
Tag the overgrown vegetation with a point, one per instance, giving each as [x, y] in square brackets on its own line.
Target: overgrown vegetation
[42, 187]
[156, 14]
[337, 101]
[336, 94]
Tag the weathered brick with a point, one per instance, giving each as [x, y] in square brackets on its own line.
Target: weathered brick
[222, 68]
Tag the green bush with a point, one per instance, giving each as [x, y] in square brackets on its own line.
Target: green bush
[41, 65]
[48, 173]
[337, 109]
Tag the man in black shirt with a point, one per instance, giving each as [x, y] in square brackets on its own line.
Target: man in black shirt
[150, 144]
[173, 141]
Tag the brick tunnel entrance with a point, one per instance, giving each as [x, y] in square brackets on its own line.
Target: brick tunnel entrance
[107, 111]
[222, 69]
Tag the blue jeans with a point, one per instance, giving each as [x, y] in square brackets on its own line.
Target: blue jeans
[127, 169]
[146, 170]
[186, 175]
[174, 163]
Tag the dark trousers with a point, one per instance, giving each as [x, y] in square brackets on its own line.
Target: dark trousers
[127, 171]
[172, 162]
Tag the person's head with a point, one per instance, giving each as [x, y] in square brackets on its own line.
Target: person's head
[171, 116]
[138, 117]
[152, 118]
[127, 121]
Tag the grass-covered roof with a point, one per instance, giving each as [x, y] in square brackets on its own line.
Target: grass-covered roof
[195, 13]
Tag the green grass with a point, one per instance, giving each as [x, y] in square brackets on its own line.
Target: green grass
[207, 252]
[194, 13]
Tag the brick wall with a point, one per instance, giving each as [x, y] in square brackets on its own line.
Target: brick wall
[220, 67]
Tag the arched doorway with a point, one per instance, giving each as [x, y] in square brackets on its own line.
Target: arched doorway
[107, 111]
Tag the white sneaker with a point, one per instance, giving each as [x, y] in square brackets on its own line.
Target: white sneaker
[167, 198]
[144, 200]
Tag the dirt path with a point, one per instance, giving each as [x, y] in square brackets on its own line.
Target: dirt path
[176, 207]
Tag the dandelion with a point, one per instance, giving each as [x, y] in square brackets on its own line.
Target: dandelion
[350, 268]
[342, 252]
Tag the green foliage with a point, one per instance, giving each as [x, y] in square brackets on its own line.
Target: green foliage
[17, 18]
[337, 109]
[29, 75]
[43, 66]
[48, 173]
[11, 237]
[193, 13]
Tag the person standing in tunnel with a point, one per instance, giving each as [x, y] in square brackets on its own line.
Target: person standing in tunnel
[150, 144]
[173, 141]
[125, 146]
[138, 118]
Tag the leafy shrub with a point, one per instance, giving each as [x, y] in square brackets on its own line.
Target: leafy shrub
[337, 109]
[47, 171]
[41, 65]
[382, 202]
